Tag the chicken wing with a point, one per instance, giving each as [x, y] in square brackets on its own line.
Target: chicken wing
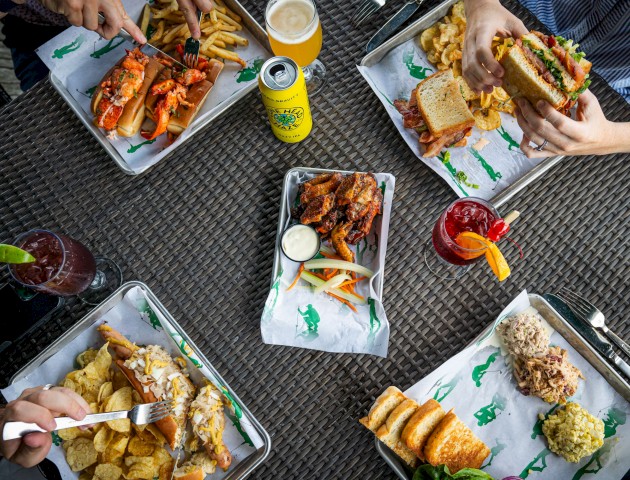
[329, 221]
[363, 226]
[338, 239]
[312, 189]
[349, 189]
[317, 208]
[360, 205]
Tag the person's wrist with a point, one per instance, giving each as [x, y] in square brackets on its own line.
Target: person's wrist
[619, 133]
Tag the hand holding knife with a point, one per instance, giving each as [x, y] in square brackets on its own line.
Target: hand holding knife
[133, 38]
[393, 24]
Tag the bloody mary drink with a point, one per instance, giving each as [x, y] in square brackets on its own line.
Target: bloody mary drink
[463, 215]
[62, 265]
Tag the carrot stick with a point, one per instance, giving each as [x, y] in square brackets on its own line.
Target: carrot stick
[333, 272]
[297, 277]
[350, 282]
[343, 301]
[318, 275]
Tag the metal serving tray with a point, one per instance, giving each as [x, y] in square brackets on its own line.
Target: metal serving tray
[242, 469]
[285, 214]
[412, 31]
[564, 328]
[250, 24]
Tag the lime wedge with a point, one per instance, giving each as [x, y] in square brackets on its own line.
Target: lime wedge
[12, 254]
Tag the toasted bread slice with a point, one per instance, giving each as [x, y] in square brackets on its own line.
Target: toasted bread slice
[521, 79]
[442, 105]
[453, 444]
[468, 93]
[389, 433]
[383, 406]
[420, 425]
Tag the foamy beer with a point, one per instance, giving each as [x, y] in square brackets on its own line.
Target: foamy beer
[295, 32]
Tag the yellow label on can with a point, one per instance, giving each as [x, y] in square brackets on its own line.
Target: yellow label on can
[288, 110]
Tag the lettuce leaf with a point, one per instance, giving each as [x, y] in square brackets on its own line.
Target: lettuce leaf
[441, 472]
[549, 63]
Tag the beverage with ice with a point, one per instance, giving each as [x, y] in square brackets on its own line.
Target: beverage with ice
[62, 265]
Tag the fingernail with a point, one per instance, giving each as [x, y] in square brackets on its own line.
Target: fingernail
[143, 39]
[86, 427]
[51, 426]
[81, 413]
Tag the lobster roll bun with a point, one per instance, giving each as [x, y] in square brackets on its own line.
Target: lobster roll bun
[197, 90]
[118, 100]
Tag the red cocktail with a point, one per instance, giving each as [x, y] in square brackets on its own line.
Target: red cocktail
[448, 258]
[62, 265]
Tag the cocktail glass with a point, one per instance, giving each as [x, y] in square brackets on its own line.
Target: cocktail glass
[64, 267]
[443, 255]
[295, 31]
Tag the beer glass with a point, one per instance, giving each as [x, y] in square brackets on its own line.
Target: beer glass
[295, 32]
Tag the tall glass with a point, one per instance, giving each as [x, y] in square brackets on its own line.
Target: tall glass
[64, 267]
[447, 257]
[295, 31]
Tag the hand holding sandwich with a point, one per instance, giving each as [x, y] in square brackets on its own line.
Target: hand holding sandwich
[485, 19]
[589, 134]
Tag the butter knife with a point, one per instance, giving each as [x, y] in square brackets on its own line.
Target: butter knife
[393, 23]
[592, 336]
[127, 35]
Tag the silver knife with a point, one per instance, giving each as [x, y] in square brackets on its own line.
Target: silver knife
[592, 336]
[127, 35]
[393, 23]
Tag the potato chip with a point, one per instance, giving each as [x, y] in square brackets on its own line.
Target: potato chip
[107, 471]
[458, 10]
[441, 66]
[157, 435]
[74, 432]
[457, 68]
[166, 470]
[487, 119]
[451, 53]
[160, 456]
[119, 443]
[426, 38]
[437, 46]
[85, 476]
[140, 468]
[80, 454]
[120, 400]
[102, 439]
[138, 447]
[433, 56]
[501, 106]
[86, 357]
[448, 32]
[119, 380]
[105, 391]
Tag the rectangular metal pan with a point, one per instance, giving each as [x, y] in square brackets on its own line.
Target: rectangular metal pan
[564, 328]
[242, 469]
[285, 214]
[413, 31]
[249, 23]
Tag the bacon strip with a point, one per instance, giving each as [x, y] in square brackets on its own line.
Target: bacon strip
[411, 115]
[436, 147]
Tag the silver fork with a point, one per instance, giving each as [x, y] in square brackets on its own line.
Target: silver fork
[140, 414]
[587, 312]
[366, 10]
[191, 47]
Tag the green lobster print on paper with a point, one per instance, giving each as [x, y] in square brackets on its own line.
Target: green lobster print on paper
[416, 71]
[480, 370]
[109, 46]
[488, 414]
[71, 47]
[311, 319]
[249, 73]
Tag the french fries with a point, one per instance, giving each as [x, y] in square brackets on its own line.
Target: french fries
[166, 28]
[444, 45]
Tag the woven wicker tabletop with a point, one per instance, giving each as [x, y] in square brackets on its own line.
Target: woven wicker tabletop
[199, 230]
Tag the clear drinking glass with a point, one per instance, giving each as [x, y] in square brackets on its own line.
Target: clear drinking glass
[442, 254]
[64, 267]
[295, 31]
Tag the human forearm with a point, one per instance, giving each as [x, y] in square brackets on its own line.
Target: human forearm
[620, 137]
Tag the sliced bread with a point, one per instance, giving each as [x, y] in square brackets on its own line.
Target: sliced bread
[390, 432]
[420, 425]
[453, 444]
[383, 406]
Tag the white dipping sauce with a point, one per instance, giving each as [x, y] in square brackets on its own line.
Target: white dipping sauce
[300, 243]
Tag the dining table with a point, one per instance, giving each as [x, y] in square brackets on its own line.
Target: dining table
[199, 228]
